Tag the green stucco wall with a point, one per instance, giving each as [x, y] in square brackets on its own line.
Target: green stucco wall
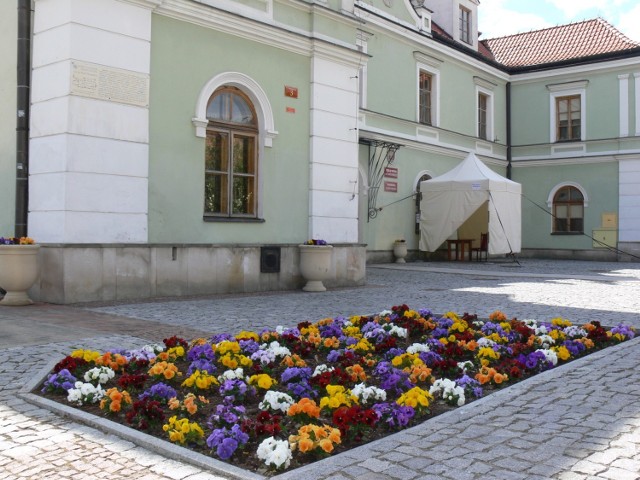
[179, 71]
[600, 182]
[8, 41]
[392, 89]
[531, 108]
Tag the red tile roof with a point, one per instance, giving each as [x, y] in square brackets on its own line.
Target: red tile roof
[556, 44]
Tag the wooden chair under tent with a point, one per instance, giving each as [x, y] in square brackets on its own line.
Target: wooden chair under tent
[483, 248]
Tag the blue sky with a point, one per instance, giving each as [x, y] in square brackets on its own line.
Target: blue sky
[504, 17]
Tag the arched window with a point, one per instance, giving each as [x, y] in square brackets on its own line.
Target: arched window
[231, 155]
[568, 210]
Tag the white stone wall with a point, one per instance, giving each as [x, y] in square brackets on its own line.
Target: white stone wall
[629, 206]
[333, 214]
[90, 133]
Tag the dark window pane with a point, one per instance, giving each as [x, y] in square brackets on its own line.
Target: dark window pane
[243, 188]
[577, 225]
[561, 224]
[215, 193]
[243, 154]
[216, 151]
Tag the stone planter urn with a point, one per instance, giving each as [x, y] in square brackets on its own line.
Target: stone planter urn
[315, 266]
[19, 269]
[400, 250]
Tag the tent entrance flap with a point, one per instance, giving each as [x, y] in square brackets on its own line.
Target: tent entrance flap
[449, 200]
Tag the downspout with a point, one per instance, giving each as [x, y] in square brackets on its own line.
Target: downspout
[22, 117]
[509, 130]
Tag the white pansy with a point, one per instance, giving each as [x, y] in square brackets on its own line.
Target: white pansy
[418, 347]
[85, 393]
[449, 391]
[550, 355]
[276, 401]
[546, 341]
[237, 374]
[485, 342]
[275, 453]
[322, 368]
[465, 366]
[99, 374]
[575, 331]
[277, 349]
[366, 394]
[397, 331]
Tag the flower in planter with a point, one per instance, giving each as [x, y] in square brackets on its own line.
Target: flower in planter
[99, 374]
[275, 453]
[84, 393]
[183, 432]
[59, 382]
[16, 241]
[315, 439]
[315, 242]
[114, 399]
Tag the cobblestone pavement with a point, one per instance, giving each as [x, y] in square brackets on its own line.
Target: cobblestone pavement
[580, 421]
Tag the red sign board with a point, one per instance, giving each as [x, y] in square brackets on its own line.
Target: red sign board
[291, 92]
[390, 172]
[390, 186]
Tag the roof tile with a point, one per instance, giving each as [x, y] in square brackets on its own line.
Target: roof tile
[555, 44]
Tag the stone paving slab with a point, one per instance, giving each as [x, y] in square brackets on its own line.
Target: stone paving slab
[578, 422]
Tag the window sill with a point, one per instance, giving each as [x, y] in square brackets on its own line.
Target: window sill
[232, 219]
[567, 233]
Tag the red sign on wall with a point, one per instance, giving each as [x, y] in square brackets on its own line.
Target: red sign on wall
[291, 92]
[390, 172]
[390, 186]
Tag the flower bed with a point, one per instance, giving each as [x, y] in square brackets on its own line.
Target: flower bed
[281, 398]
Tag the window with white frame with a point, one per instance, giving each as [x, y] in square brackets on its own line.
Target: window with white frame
[427, 89]
[465, 25]
[425, 99]
[568, 112]
[231, 155]
[567, 202]
[484, 108]
[568, 210]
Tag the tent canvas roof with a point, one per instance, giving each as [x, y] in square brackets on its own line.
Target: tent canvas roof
[472, 174]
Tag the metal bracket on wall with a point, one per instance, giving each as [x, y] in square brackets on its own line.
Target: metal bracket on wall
[382, 154]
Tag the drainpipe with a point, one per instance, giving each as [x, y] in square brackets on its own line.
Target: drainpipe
[509, 130]
[22, 117]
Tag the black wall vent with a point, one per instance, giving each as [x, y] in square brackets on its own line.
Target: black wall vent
[269, 259]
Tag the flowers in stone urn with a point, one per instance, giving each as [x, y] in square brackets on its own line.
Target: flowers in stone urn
[315, 264]
[16, 241]
[19, 269]
[316, 242]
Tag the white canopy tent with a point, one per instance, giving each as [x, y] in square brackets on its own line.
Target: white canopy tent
[450, 199]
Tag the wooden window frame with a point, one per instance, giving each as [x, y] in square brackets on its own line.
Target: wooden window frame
[571, 137]
[465, 25]
[425, 98]
[232, 131]
[483, 116]
[569, 229]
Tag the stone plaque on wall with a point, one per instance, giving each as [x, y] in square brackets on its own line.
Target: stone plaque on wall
[111, 84]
